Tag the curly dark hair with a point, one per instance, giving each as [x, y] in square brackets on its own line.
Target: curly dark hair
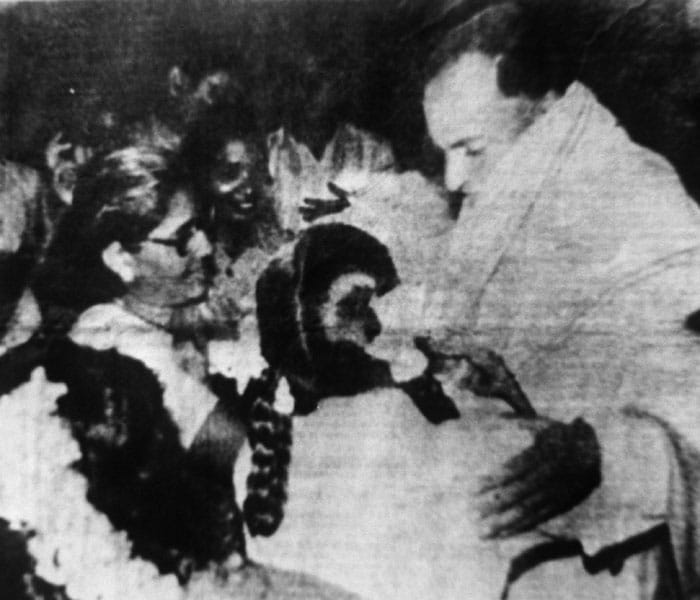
[207, 135]
[119, 197]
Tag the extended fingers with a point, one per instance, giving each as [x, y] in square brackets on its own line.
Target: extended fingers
[54, 149]
[519, 466]
[339, 192]
[524, 517]
[559, 470]
[318, 207]
[500, 499]
[514, 469]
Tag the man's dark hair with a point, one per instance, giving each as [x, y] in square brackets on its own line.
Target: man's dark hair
[528, 65]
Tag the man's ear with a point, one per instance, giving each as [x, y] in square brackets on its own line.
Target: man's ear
[274, 142]
[212, 88]
[120, 262]
[178, 82]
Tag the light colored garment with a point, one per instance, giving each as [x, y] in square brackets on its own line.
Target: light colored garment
[20, 187]
[382, 503]
[187, 398]
[25, 320]
[577, 263]
[349, 160]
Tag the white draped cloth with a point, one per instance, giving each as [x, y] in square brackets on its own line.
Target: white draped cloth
[588, 249]
[578, 262]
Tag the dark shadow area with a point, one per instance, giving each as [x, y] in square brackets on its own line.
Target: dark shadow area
[310, 65]
[17, 578]
[641, 58]
[306, 65]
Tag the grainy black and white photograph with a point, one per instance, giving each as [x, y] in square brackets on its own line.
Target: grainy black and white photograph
[350, 299]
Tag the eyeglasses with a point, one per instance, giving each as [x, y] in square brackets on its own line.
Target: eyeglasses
[180, 241]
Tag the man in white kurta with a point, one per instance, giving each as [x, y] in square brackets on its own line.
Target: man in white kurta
[577, 259]
[574, 257]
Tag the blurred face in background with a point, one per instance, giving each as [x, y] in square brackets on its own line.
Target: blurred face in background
[472, 120]
[234, 181]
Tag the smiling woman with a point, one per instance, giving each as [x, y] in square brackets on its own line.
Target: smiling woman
[222, 162]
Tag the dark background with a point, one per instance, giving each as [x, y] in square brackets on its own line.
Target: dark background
[311, 64]
[306, 64]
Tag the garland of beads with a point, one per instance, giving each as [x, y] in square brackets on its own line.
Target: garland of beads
[270, 438]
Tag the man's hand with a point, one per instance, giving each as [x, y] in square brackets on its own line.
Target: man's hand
[557, 472]
[319, 207]
[477, 369]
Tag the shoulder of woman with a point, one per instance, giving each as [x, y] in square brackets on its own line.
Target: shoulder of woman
[106, 326]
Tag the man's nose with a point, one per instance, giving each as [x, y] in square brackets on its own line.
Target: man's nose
[456, 174]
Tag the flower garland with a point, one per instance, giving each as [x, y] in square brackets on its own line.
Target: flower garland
[73, 544]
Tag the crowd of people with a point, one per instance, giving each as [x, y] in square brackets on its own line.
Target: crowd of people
[239, 354]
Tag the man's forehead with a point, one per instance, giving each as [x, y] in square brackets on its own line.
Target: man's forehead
[457, 99]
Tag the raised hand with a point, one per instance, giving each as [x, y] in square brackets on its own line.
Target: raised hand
[320, 207]
[478, 369]
[63, 160]
[54, 149]
[557, 472]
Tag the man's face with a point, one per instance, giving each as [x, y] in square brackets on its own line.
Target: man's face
[471, 120]
[233, 182]
[170, 266]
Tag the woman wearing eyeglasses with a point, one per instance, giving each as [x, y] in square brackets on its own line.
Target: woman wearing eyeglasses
[124, 468]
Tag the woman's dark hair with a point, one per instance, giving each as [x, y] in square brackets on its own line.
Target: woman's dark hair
[119, 197]
[207, 136]
[289, 295]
